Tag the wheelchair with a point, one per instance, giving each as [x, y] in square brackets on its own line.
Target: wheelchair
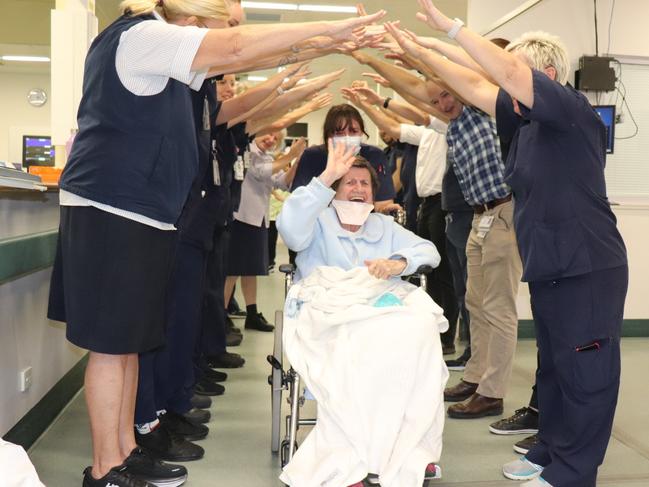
[287, 379]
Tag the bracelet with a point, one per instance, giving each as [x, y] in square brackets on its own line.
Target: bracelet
[457, 25]
[386, 102]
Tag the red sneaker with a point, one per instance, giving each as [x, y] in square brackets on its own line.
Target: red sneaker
[433, 471]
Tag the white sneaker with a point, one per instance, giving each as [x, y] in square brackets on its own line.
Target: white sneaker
[537, 482]
[522, 469]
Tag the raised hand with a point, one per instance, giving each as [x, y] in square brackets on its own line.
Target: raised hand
[378, 79]
[339, 160]
[292, 78]
[433, 17]
[351, 96]
[353, 28]
[369, 95]
[297, 148]
[320, 101]
[408, 45]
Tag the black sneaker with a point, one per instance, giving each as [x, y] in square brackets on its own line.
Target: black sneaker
[201, 402]
[198, 416]
[233, 339]
[526, 444]
[230, 328]
[145, 466]
[176, 424]
[225, 360]
[214, 376]
[523, 422]
[117, 477]
[258, 322]
[460, 362]
[162, 444]
[205, 387]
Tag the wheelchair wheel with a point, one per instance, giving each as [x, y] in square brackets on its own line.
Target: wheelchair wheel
[276, 386]
[284, 451]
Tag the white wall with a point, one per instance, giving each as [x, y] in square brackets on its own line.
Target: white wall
[573, 21]
[17, 116]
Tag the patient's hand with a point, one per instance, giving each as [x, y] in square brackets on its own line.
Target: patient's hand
[385, 268]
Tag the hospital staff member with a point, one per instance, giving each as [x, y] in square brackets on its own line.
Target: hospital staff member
[122, 191]
[573, 255]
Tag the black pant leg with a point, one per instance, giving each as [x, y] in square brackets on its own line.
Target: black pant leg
[432, 226]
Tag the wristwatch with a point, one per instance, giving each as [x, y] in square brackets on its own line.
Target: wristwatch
[386, 102]
[457, 25]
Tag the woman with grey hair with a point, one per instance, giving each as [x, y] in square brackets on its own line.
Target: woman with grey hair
[573, 256]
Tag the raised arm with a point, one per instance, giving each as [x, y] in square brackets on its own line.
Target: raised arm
[254, 96]
[405, 110]
[271, 124]
[382, 121]
[507, 70]
[467, 83]
[244, 46]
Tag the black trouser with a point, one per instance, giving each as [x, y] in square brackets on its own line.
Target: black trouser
[272, 243]
[166, 375]
[578, 324]
[431, 225]
[458, 227]
[213, 332]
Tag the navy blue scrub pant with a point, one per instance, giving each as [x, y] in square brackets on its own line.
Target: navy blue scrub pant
[166, 375]
[213, 330]
[578, 324]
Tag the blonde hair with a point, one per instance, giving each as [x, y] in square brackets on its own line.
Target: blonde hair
[206, 9]
[543, 50]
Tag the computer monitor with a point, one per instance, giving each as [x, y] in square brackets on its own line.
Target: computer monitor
[37, 150]
[607, 113]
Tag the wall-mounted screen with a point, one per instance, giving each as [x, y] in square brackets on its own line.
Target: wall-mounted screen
[607, 113]
[37, 150]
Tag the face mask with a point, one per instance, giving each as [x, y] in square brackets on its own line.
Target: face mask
[350, 142]
[352, 212]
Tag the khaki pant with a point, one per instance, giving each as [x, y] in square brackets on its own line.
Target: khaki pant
[493, 272]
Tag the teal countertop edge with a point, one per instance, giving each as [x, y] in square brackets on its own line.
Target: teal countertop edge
[25, 254]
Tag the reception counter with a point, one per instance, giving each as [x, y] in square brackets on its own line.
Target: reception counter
[29, 221]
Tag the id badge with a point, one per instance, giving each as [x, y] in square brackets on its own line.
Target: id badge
[238, 169]
[246, 160]
[216, 173]
[206, 115]
[485, 225]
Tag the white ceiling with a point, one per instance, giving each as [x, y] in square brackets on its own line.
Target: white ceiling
[25, 26]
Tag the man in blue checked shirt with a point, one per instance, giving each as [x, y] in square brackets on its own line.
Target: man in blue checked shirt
[493, 262]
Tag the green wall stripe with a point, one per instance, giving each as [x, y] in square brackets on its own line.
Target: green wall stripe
[23, 255]
[41, 416]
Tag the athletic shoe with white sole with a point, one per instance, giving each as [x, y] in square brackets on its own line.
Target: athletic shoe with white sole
[522, 469]
[142, 465]
[525, 421]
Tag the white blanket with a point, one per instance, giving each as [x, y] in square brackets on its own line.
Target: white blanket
[17, 469]
[378, 376]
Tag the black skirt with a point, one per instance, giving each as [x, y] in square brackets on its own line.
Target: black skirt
[110, 280]
[247, 250]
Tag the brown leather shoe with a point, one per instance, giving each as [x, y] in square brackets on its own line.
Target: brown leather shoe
[476, 406]
[460, 392]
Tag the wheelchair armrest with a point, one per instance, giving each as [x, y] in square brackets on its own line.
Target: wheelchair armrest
[424, 269]
[287, 268]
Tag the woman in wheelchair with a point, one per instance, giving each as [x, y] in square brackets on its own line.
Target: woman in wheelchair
[365, 342]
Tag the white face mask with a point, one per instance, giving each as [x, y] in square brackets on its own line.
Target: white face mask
[349, 141]
[352, 212]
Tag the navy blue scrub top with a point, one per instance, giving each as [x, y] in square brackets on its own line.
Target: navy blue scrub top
[555, 167]
[314, 161]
